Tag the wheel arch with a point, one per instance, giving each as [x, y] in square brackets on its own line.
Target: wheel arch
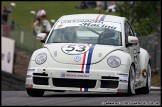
[144, 58]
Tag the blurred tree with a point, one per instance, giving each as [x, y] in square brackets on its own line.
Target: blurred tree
[145, 16]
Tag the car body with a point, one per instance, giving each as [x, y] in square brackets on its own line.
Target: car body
[89, 52]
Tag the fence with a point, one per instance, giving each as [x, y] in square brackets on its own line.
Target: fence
[23, 39]
[152, 43]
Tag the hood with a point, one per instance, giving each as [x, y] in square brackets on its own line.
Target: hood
[71, 53]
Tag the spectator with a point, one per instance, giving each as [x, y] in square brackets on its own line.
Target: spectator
[41, 13]
[10, 9]
[37, 26]
[52, 22]
[4, 15]
[46, 25]
[100, 5]
[91, 4]
[82, 5]
[12, 25]
[112, 7]
[105, 5]
[6, 11]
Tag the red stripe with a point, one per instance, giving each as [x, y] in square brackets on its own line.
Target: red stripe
[81, 89]
[83, 62]
[97, 17]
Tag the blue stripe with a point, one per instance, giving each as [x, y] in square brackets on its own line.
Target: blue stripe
[89, 59]
[85, 89]
[102, 18]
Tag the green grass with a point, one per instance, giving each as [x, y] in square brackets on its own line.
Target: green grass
[22, 16]
[24, 19]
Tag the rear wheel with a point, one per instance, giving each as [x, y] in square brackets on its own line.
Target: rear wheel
[35, 92]
[131, 81]
[146, 89]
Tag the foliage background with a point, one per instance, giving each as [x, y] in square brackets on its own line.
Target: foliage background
[144, 15]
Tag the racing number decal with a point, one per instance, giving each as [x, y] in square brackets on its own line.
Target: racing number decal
[75, 49]
[79, 48]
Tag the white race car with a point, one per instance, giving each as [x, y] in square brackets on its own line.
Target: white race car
[89, 53]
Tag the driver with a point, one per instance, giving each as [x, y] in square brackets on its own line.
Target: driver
[108, 37]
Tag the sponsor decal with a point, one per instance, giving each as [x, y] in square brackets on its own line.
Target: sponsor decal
[29, 76]
[31, 71]
[123, 81]
[82, 21]
[98, 22]
[123, 77]
[8, 57]
[98, 25]
[75, 75]
[59, 26]
[122, 74]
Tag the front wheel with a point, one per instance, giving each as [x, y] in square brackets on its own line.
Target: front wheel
[35, 92]
[146, 89]
[131, 81]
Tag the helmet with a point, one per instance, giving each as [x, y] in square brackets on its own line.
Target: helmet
[108, 33]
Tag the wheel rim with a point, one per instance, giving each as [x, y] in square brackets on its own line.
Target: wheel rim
[132, 80]
[149, 76]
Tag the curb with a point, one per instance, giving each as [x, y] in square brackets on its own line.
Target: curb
[155, 88]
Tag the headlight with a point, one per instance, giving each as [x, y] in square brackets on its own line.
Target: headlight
[113, 61]
[41, 58]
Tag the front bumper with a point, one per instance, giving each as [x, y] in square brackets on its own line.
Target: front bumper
[60, 79]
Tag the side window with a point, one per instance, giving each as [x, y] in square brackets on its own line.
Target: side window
[130, 30]
[126, 33]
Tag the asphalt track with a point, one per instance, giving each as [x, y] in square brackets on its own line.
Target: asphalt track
[50, 98]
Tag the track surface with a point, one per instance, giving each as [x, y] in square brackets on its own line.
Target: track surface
[50, 98]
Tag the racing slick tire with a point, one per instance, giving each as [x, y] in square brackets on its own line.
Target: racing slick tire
[131, 81]
[146, 89]
[35, 92]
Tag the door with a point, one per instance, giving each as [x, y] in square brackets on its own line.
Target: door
[133, 49]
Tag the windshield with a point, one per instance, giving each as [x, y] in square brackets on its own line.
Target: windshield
[91, 34]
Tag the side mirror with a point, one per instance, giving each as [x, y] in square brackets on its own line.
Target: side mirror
[132, 39]
[41, 37]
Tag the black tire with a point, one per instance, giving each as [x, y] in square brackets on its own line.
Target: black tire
[146, 89]
[35, 92]
[131, 77]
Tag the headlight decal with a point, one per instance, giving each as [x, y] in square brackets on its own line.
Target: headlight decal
[41, 58]
[114, 61]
